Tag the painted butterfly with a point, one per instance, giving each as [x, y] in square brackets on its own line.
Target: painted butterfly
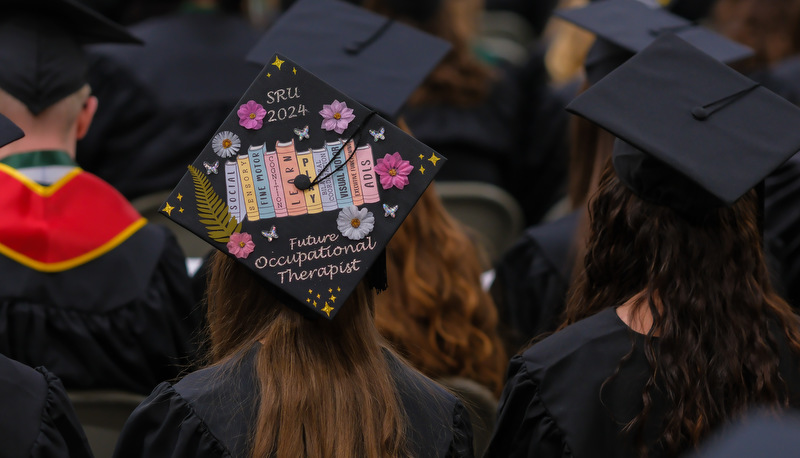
[271, 234]
[301, 133]
[211, 168]
[389, 211]
[378, 134]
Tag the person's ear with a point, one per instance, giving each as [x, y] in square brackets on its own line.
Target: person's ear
[86, 115]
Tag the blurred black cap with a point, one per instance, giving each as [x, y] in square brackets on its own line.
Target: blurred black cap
[41, 55]
[9, 131]
[693, 134]
[630, 26]
[376, 60]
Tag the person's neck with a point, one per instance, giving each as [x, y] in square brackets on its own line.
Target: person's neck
[26, 144]
[635, 313]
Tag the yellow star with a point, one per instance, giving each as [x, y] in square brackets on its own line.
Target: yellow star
[269, 75]
[277, 62]
[422, 170]
[330, 290]
[310, 292]
[294, 70]
[180, 197]
[327, 309]
[168, 209]
[333, 298]
[308, 300]
[422, 156]
[317, 296]
[338, 289]
[180, 209]
[315, 304]
[434, 158]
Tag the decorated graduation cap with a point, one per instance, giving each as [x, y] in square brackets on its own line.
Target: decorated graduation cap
[356, 51]
[303, 185]
[41, 55]
[625, 27]
[693, 134]
[9, 132]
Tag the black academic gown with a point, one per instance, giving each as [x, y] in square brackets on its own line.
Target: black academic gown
[122, 321]
[554, 403]
[208, 414]
[532, 278]
[37, 418]
[161, 103]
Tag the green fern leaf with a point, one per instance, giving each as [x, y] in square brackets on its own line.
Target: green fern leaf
[212, 211]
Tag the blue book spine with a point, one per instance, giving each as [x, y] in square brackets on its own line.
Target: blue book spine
[341, 183]
[266, 209]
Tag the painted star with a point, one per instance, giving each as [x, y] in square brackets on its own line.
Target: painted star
[422, 156]
[327, 309]
[315, 304]
[318, 296]
[277, 62]
[422, 170]
[269, 75]
[168, 208]
[333, 298]
[294, 70]
[434, 158]
[330, 290]
[180, 197]
[310, 292]
[308, 300]
[338, 289]
[180, 209]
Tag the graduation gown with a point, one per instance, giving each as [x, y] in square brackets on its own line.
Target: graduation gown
[554, 403]
[532, 278]
[90, 290]
[160, 104]
[208, 414]
[38, 419]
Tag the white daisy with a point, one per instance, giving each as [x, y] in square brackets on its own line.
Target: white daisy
[226, 144]
[355, 224]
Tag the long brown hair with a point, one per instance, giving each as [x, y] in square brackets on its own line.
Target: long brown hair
[706, 285]
[325, 387]
[435, 312]
[460, 78]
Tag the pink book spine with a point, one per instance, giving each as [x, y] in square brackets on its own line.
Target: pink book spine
[366, 173]
[275, 183]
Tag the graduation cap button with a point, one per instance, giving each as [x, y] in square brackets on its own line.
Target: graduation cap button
[699, 113]
[302, 182]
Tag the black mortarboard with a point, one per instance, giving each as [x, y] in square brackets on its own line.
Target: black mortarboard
[696, 133]
[625, 27]
[41, 55]
[248, 192]
[374, 59]
[9, 131]
[757, 435]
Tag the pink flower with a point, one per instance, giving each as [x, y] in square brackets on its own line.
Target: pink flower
[336, 116]
[251, 115]
[241, 244]
[393, 171]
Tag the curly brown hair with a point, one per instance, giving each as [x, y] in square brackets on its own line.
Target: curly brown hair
[434, 311]
[706, 284]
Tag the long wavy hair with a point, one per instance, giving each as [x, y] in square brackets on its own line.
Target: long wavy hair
[325, 387]
[770, 27]
[435, 312]
[460, 79]
[705, 282]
